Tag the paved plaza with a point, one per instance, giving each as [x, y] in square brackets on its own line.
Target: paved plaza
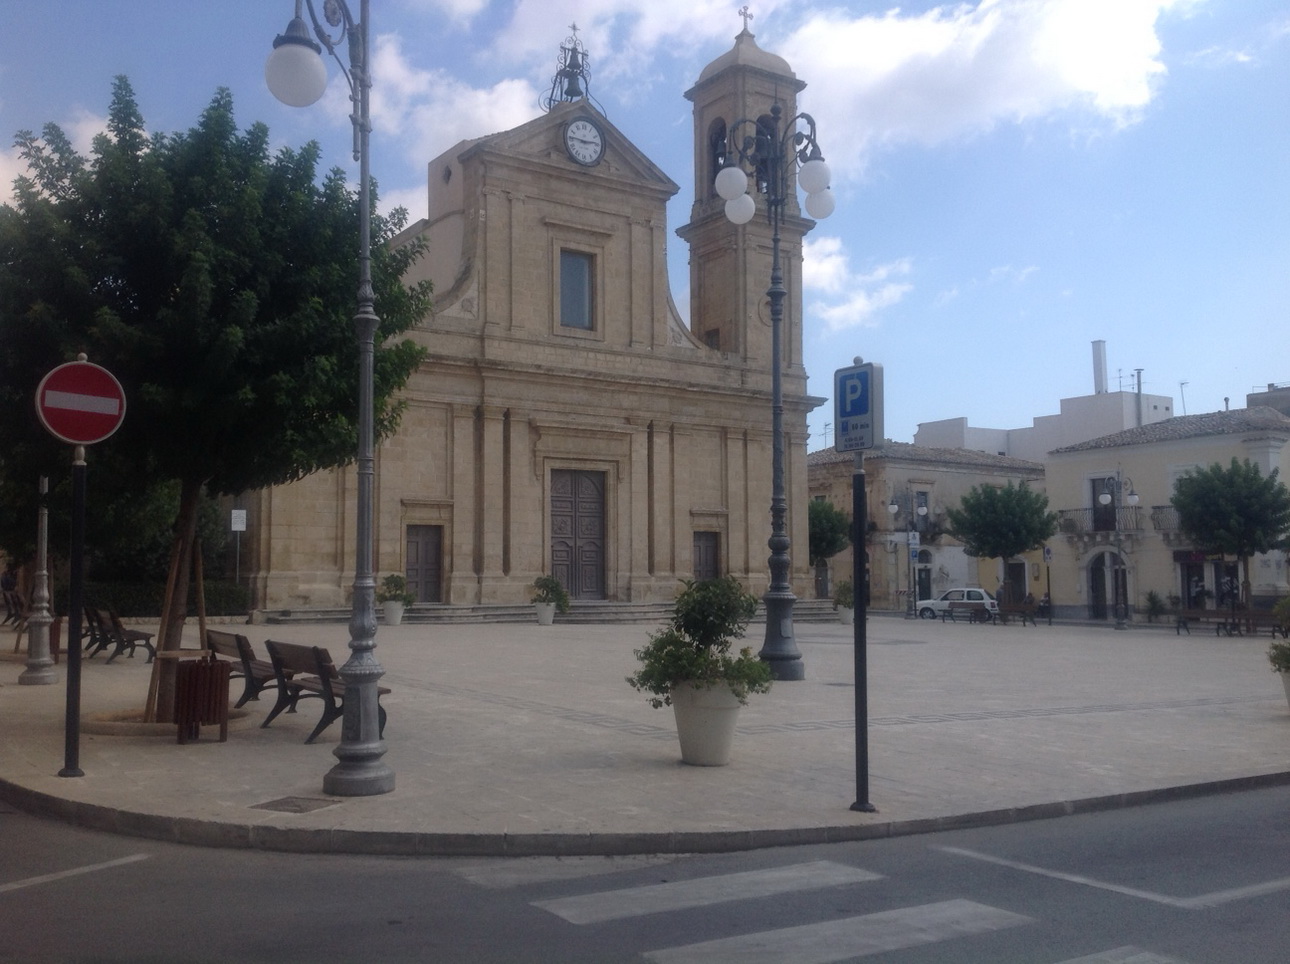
[520, 739]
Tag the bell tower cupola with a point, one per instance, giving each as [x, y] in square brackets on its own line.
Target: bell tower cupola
[730, 265]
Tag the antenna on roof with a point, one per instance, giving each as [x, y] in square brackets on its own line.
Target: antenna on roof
[1182, 392]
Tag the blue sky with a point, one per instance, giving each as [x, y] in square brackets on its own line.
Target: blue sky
[1015, 178]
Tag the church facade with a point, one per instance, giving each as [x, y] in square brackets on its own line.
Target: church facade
[566, 419]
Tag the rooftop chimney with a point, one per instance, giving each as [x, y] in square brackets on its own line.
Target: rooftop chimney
[1099, 367]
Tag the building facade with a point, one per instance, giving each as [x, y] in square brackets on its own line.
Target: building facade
[566, 420]
[907, 491]
[1111, 551]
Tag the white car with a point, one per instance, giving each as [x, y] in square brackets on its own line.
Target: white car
[932, 608]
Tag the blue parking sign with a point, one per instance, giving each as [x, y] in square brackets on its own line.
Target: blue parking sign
[857, 407]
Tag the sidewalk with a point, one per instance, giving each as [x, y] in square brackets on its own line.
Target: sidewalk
[518, 739]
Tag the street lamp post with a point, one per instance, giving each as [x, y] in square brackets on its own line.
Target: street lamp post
[297, 76]
[911, 609]
[1113, 492]
[772, 158]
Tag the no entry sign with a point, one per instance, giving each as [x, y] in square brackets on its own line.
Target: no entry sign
[80, 403]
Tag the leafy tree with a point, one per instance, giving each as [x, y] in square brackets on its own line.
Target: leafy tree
[830, 530]
[217, 282]
[1235, 510]
[999, 523]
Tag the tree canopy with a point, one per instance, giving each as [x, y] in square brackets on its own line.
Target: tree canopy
[217, 282]
[830, 530]
[1235, 510]
[994, 522]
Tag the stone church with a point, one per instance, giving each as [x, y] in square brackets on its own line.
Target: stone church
[566, 419]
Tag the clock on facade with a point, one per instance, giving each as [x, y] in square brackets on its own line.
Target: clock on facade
[584, 142]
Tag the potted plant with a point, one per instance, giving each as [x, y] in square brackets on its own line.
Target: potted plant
[690, 667]
[394, 597]
[1155, 606]
[549, 598]
[844, 601]
[1279, 651]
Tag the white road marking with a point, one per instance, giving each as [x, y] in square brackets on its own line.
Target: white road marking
[703, 892]
[1214, 899]
[1124, 955]
[845, 939]
[74, 872]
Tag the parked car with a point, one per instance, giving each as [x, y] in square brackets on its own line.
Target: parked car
[932, 608]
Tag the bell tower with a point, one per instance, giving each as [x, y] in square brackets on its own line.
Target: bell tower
[730, 265]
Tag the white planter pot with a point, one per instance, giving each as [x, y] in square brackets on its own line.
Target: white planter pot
[545, 613]
[393, 610]
[1285, 682]
[846, 617]
[705, 723]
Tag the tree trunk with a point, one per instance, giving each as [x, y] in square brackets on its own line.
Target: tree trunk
[176, 609]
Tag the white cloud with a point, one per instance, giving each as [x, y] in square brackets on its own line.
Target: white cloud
[961, 69]
[852, 300]
[428, 111]
[1011, 274]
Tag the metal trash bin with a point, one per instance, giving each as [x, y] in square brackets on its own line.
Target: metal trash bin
[201, 697]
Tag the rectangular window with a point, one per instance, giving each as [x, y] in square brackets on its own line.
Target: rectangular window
[576, 290]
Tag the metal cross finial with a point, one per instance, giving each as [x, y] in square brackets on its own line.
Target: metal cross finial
[574, 27]
[746, 14]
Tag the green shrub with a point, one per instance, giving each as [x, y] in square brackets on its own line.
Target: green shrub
[143, 600]
[844, 596]
[547, 589]
[695, 646]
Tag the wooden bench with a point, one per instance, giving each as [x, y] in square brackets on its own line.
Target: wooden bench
[1220, 618]
[1229, 624]
[104, 629]
[255, 673]
[1027, 611]
[976, 612]
[302, 672]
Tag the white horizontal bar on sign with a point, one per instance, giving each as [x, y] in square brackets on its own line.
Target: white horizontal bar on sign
[98, 404]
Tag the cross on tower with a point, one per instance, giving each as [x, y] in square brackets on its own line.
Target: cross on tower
[746, 14]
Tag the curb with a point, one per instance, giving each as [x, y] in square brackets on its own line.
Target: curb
[207, 833]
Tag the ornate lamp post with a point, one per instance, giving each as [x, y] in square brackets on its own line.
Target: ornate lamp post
[297, 76]
[911, 609]
[772, 158]
[1113, 491]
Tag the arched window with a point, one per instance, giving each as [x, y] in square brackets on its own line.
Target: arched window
[716, 153]
[765, 147]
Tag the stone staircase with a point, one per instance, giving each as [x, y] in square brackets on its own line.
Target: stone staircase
[804, 611]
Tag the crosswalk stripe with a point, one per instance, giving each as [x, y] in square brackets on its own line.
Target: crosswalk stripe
[841, 940]
[1124, 955]
[74, 872]
[681, 894]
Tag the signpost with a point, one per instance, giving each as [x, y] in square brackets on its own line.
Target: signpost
[857, 406]
[81, 404]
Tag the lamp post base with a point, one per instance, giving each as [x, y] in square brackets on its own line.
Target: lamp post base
[360, 772]
[780, 649]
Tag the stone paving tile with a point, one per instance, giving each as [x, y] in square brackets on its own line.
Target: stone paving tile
[515, 739]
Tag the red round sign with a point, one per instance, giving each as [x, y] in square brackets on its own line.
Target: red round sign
[80, 403]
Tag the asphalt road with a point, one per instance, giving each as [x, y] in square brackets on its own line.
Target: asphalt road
[1204, 881]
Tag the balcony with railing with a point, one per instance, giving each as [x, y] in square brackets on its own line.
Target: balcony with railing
[1100, 519]
[1100, 524]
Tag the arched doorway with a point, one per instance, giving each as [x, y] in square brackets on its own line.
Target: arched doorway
[1108, 585]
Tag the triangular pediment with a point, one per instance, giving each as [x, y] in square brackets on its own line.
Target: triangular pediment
[541, 141]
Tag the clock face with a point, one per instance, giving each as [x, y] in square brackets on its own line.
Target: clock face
[584, 142]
